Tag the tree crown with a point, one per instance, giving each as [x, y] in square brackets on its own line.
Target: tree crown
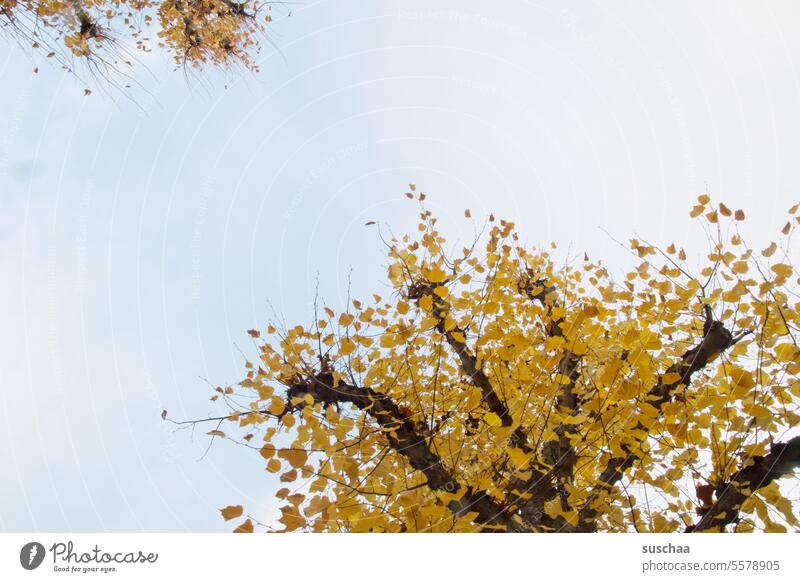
[498, 390]
[196, 32]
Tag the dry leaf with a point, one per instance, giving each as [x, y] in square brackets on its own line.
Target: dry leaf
[231, 512]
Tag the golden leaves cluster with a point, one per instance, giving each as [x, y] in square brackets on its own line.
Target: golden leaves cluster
[340, 472]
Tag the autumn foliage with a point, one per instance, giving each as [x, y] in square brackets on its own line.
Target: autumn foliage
[497, 389]
[196, 32]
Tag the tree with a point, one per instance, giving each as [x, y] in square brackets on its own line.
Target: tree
[196, 32]
[499, 390]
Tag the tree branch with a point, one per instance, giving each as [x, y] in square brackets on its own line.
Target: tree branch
[529, 495]
[716, 339]
[469, 362]
[558, 452]
[411, 440]
[781, 461]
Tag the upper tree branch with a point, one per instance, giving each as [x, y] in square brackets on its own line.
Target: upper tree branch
[411, 440]
[716, 339]
[469, 362]
[531, 493]
[782, 460]
[558, 452]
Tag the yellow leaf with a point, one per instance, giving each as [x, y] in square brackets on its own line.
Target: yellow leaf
[245, 527]
[553, 507]
[770, 250]
[276, 406]
[395, 274]
[741, 378]
[772, 527]
[217, 433]
[231, 512]
[590, 311]
[782, 270]
[435, 275]
[273, 465]
[291, 518]
[474, 398]
[660, 523]
[346, 346]
[492, 419]
[426, 303]
[759, 411]
[787, 353]
[264, 392]
[458, 336]
[289, 476]
[296, 457]
[740, 267]
[579, 348]
[518, 457]
[345, 319]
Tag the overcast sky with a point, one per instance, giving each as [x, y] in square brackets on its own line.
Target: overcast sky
[139, 242]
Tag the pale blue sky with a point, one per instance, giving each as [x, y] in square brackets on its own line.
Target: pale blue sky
[137, 247]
